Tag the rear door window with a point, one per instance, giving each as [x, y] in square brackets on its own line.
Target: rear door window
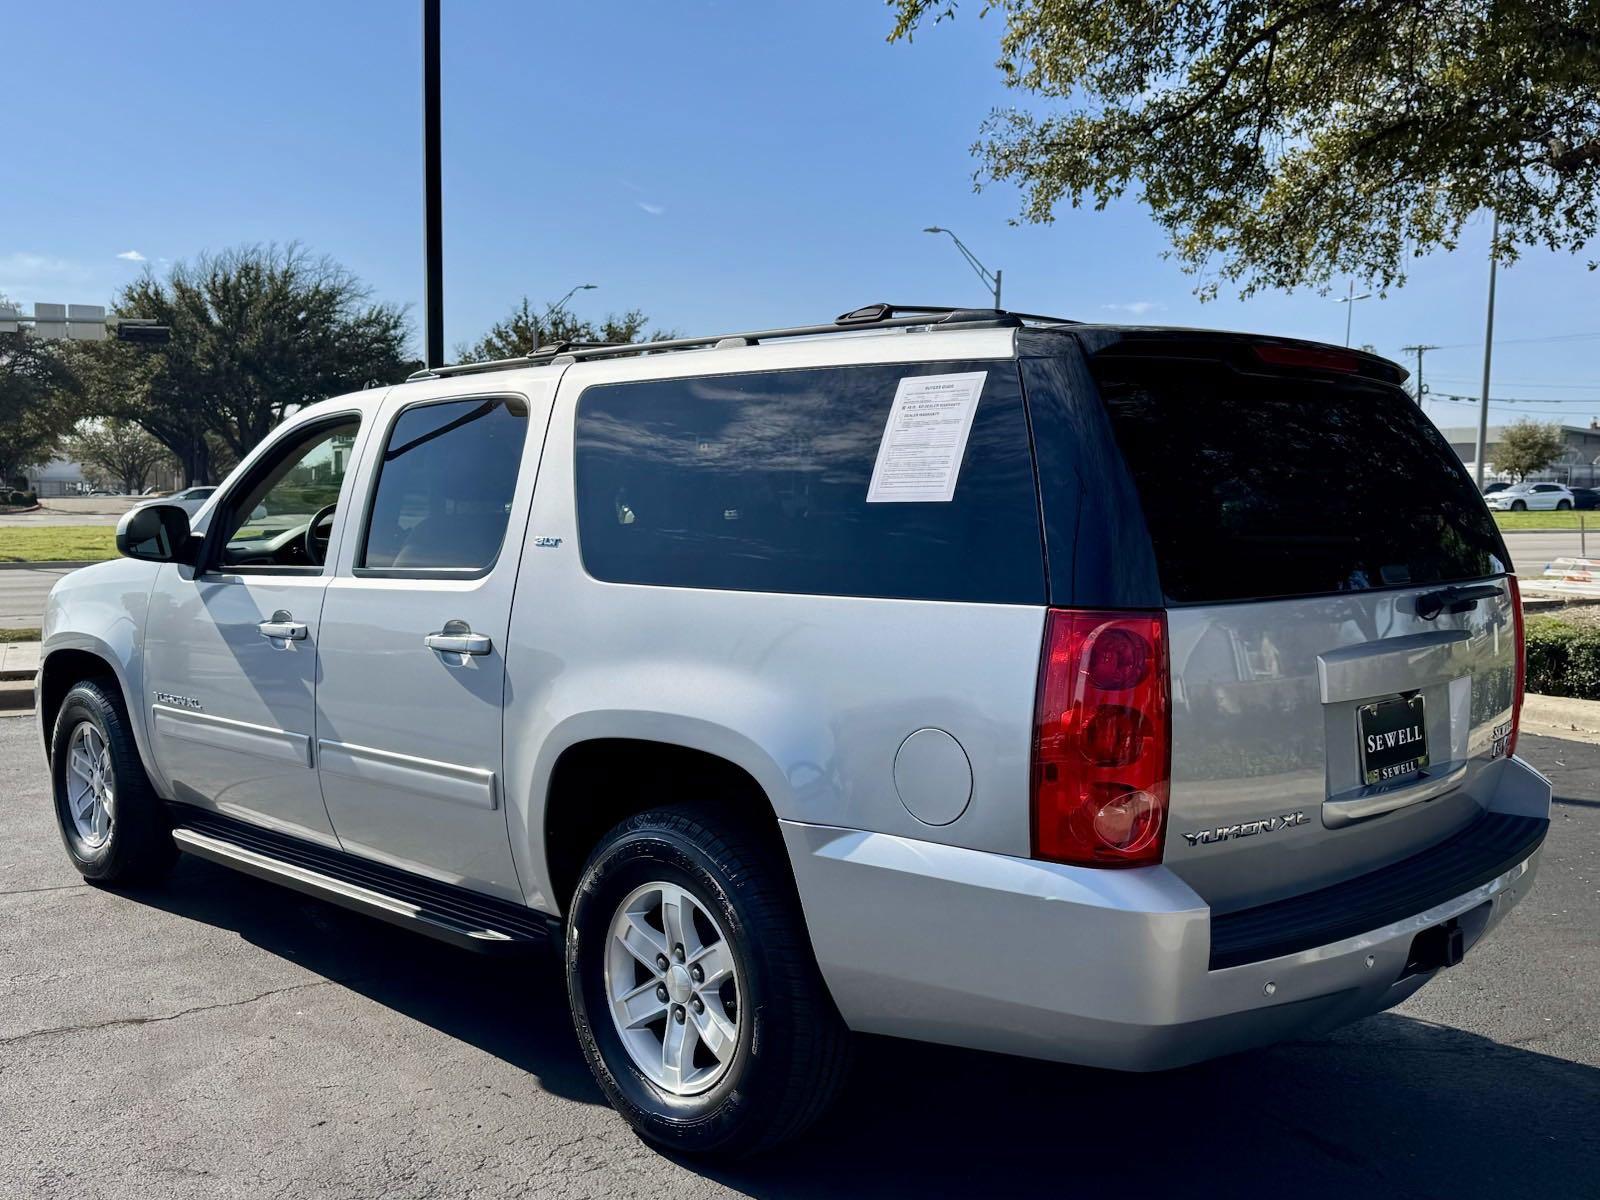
[759, 482]
[1260, 486]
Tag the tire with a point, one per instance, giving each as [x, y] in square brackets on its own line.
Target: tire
[1519, 506]
[789, 1051]
[126, 841]
[1563, 505]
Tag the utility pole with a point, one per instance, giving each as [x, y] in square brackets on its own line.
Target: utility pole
[432, 189]
[1488, 349]
[1420, 351]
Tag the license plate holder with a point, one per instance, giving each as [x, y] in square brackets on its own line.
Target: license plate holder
[1393, 738]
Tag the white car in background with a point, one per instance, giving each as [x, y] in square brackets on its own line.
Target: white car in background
[191, 500]
[1522, 497]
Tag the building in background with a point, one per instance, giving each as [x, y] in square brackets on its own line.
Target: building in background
[63, 477]
[1577, 466]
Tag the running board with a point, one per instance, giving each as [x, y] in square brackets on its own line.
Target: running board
[451, 914]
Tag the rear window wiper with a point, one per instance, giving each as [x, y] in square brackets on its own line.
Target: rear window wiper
[1454, 599]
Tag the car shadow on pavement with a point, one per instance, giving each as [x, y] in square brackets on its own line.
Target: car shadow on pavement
[481, 999]
[1390, 1105]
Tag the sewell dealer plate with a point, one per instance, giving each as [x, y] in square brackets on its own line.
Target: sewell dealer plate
[1394, 738]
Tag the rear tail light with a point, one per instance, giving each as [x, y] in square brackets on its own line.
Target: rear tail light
[1519, 679]
[1102, 739]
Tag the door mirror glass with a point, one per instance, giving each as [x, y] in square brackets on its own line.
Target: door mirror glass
[154, 533]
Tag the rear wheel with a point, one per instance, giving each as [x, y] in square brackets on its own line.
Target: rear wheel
[109, 816]
[1563, 504]
[696, 998]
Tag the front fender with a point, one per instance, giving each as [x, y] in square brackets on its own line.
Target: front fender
[100, 610]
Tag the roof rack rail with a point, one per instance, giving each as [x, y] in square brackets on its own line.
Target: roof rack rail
[874, 316]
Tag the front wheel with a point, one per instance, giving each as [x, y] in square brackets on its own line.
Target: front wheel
[696, 998]
[109, 815]
[1519, 506]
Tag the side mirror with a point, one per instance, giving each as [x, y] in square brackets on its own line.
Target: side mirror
[154, 533]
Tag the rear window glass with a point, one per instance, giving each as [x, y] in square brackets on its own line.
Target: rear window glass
[1257, 486]
[758, 482]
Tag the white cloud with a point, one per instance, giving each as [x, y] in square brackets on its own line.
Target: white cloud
[131, 256]
[1137, 308]
[655, 210]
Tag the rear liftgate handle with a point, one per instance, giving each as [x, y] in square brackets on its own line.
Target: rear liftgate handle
[457, 638]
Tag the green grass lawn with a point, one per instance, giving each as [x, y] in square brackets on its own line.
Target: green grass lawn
[57, 543]
[11, 633]
[1547, 520]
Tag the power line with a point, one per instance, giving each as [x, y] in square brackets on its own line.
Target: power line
[1520, 383]
[1527, 341]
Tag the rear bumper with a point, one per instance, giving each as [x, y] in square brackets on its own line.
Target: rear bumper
[1104, 968]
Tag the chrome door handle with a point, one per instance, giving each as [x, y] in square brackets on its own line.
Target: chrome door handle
[282, 625]
[457, 638]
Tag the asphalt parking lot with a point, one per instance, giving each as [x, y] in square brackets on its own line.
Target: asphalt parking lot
[220, 1037]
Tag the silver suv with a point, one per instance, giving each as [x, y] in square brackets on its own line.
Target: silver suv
[994, 681]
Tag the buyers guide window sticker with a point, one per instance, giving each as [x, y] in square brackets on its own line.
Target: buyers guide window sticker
[925, 438]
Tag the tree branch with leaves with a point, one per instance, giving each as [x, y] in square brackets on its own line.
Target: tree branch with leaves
[1283, 144]
[526, 329]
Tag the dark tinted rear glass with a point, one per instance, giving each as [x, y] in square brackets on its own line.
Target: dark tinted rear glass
[759, 482]
[1265, 486]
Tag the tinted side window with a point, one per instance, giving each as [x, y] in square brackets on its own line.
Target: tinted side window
[445, 485]
[759, 482]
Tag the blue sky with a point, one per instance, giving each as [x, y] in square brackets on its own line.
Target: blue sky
[720, 165]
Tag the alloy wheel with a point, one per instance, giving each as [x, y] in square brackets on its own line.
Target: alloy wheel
[91, 785]
[673, 988]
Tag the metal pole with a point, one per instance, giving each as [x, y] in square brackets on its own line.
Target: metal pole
[432, 187]
[1488, 349]
[997, 289]
[1349, 310]
[1419, 376]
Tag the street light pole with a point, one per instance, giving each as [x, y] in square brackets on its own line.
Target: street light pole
[432, 189]
[991, 278]
[1488, 350]
[560, 304]
[1350, 301]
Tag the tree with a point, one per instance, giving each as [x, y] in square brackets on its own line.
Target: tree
[120, 453]
[526, 329]
[256, 333]
[1528, 446]
[36, 390]
[1281, 144]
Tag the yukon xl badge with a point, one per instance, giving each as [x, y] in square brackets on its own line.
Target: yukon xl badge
[172, 701]
[1223, 833]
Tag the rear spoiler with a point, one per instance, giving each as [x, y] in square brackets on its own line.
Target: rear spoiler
[1255, 353]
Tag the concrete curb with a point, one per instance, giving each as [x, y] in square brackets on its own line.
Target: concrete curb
[71, 565]
[1560, 713]
[16, 699]
[1557, 529]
